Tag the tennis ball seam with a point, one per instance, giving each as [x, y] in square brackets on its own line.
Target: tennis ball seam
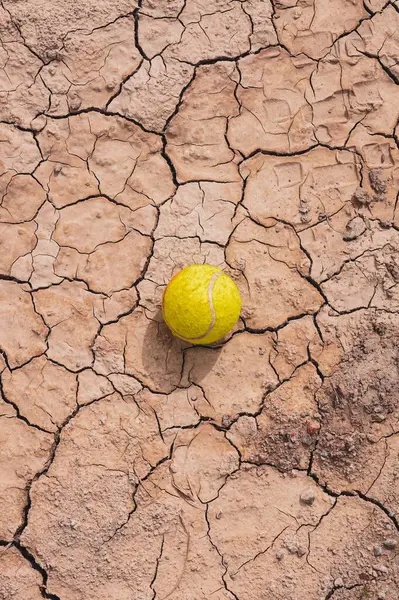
[211, 285]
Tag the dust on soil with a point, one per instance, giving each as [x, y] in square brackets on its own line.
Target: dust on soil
[136, 138]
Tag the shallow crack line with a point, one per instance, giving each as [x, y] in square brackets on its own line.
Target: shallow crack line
[136, 489]
[208, 533]
[261, 552]
[188, 537]
[227, 478]
[324, 515]
[386, 454]
[201, 240]
[156, 569]
[273, 368]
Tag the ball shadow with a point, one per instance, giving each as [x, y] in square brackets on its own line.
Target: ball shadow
[164, 357]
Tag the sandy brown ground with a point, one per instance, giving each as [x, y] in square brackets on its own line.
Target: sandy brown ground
[261, 136]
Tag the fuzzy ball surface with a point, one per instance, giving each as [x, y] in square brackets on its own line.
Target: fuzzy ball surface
[201, 304]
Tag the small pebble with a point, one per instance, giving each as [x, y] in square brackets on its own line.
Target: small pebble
[377, 551]
[279, 555]
[312, 427]
[339, 582]
[308, 497]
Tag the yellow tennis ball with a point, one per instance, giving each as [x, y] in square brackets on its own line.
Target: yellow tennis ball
[201, 304]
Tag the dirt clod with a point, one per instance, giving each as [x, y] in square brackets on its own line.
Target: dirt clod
[378, 182]
[390, 544]
[362, 197]
[308, 497]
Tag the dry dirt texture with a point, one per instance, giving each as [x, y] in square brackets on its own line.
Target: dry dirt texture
[140, 136]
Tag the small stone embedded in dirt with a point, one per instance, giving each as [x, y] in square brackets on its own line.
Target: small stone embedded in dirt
[308, 497]
[377, 551]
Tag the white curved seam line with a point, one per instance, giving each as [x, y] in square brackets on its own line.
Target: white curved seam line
[210, 300]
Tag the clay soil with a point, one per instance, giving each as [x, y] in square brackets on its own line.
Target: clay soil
[139, 137]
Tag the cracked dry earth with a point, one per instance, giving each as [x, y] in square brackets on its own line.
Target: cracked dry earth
[137, 138]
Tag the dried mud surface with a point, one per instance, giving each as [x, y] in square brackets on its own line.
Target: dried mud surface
[137, 137]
